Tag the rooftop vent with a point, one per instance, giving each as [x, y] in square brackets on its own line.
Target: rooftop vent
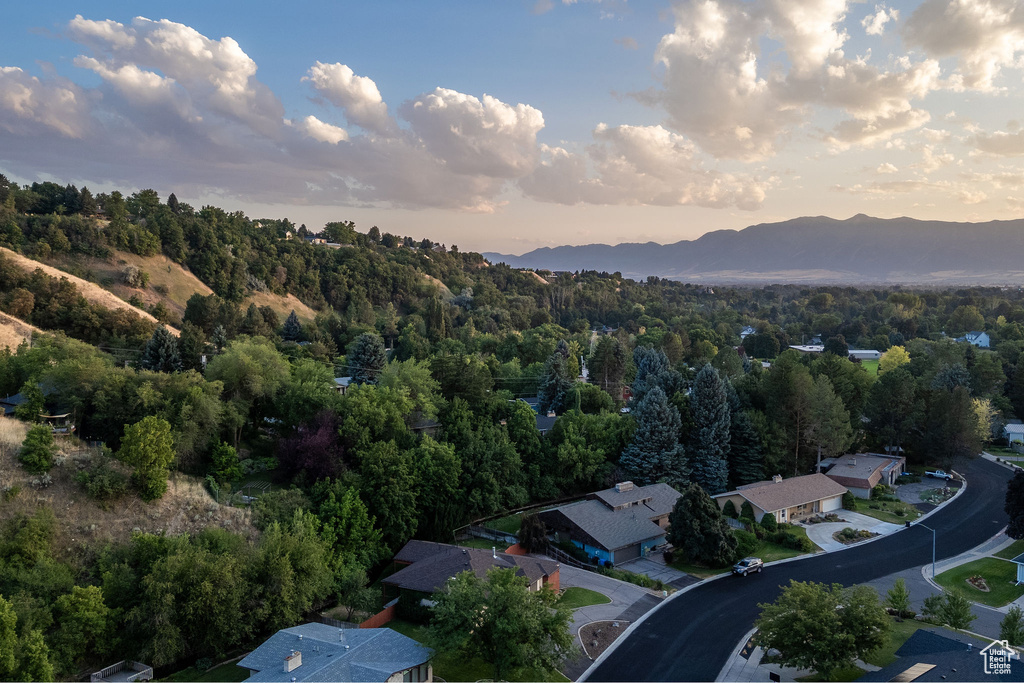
[494, 552]
[624, 486]
[292, 661]
[777, 478]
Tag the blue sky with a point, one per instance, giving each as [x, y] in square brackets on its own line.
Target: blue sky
[503, 126]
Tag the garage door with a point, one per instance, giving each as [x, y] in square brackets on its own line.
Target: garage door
[830, 504]
[627, 554]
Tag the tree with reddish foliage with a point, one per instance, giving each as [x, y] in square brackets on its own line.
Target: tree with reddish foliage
[315, 448]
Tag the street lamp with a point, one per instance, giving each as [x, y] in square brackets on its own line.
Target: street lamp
[933, 545]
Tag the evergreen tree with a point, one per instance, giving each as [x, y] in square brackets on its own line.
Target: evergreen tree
[607, 364]
[292, 329]
[746, 451]
[219, 337]
[161, 352]
[654, 370]
[710, 435]
[191, 347]
[829, 424]
[148, 447]
[655, 454]
[366, 358]
[890, 407]
[556, 382]
[38, 449]
[696, 527]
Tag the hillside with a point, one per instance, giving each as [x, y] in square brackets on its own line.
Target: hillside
[14, 331]
[819, 249]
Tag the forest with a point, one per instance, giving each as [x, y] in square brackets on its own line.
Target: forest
[651, 381]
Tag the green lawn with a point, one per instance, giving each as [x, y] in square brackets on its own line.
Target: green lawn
[509, 524]
[847, 673]
[885, 512]
[1000, 575]
[871, 366]
[454, 668]
[225, 673]
[901, 631]
[484, 543]
[577, 597]
[1012, 551]
[698, 570]
[769, 552]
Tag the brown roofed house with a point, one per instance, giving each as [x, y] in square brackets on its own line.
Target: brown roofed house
[788, 500]
[861, 472]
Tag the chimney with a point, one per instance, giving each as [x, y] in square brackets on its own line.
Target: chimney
[292, 661]
[551, 413]
[777, 479]
[624, 486]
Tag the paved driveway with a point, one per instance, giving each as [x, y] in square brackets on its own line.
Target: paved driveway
[621, 594]
[656, 570]
[822, 533]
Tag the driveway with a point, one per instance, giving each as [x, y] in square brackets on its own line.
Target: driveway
[658, 570]
[821, 534]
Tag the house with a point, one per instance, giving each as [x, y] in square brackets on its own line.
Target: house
[427, 566]
[1019, 561]
[932, 656]
[9, 403]
[341, 384]
[1013, 433]
[976, 338]
[787, 499]
[865, 354]
[546, 422]
[615, 525]
[861, 472]
[318, 652]
[747, 331]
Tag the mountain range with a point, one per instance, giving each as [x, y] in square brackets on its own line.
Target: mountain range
[858, 250]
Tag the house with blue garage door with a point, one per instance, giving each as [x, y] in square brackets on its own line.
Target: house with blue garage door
[615, 525]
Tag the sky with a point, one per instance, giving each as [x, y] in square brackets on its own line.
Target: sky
[506, 126]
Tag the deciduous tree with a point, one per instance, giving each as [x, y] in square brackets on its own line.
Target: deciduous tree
[148, 446]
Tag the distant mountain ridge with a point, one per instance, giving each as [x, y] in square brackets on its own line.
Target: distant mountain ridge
[861, 249]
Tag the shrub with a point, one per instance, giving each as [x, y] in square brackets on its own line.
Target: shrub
[747, 511]
[37, 450]
[849, 501]
[410, 608]
[729, 509]
[104, 479]
[806, 544]
[769, 523]
[758, 531]
[746, 543]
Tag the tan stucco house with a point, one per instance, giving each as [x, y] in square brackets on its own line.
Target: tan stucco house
[787, 499]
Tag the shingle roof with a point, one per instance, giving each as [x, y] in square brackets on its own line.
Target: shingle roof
[373, 654]
[950, 658]
[609, 529]
[1014, 429]
[432, 564]
[788, 493]
[660, 498]
[858, 467]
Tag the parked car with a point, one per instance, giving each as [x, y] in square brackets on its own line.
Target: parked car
[748, 565]
[939, 474]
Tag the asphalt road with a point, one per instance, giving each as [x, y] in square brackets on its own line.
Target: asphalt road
[691, 636]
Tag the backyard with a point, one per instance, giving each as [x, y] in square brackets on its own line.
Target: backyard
[455, 668]
[1000, 576]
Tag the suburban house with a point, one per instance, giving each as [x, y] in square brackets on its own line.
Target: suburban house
[341, 384]
[976, 338]
[861, 472]
[787, 500]
[1013, 433]
[9, 403]
[427, 566]
[859, 354]
[546, 422]
[747, 331]
[317, 652]
[615, 525]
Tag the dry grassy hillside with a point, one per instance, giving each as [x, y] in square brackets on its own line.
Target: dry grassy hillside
[14, 331]
[186, 507]
[91, 291]
[282, 305]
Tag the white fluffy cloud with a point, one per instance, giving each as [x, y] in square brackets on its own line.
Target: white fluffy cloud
[358, 96]
[983, 35]
[29, 106]
[874, 24]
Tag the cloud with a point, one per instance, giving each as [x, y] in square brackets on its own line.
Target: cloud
[324, 132]
[31, 106]
[736, 102]
[358, 96]
[638, 165]
[627, 42]
[999, 143]
[886, 168]
[874, 24]
[983, 35]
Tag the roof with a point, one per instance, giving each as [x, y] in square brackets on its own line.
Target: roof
[771, 496]
[343, 381]
[659, 498]
[545, 423]
[372, 654]
[432, 564]
[943, 657]
[860, 467]
[11, 402]
[1014, 429]
[607, 528]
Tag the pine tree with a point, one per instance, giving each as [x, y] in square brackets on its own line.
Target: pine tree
[219, 337]
[367, 358]
[191, 345]
[697, 527]
[710, 436]
[292, 328]
[556, 382]
[746, 451]
[655, 454]
[607, 364]
[654, 370]
[161, 352]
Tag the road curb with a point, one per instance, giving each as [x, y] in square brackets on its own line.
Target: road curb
[734, 655]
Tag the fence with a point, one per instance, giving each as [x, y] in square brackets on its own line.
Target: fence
[491, 534]
[333, 622]
[566, 558]
[142, 672]
[382, 617]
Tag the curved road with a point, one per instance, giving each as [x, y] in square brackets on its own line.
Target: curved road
[691, 636]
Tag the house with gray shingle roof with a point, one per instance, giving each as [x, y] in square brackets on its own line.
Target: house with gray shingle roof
[617, 524]
[319, 653]
[427, 566]
[787, 499]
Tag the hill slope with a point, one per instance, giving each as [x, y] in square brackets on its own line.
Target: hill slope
[860, 249]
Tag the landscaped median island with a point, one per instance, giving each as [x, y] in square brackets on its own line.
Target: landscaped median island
[998, 575]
